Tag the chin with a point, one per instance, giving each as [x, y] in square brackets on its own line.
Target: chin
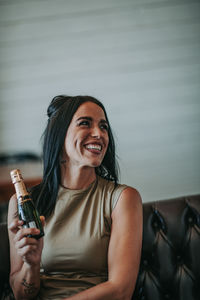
[94, 164]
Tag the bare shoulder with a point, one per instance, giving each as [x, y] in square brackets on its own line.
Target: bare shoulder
[129, 202]
[131, 197]
[131, 193]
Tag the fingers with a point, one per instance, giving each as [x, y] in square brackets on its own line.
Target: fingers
[26, 241]
[26, 250]
[27, 247]
[29, 253]
[42, 219]
[25, 232]
[15, 225]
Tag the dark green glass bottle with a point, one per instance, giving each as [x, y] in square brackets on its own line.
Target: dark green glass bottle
[26, 208]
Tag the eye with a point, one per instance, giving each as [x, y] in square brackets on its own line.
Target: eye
[104, 126]
[84, 123]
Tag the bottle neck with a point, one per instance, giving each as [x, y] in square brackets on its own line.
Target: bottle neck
[21, 191]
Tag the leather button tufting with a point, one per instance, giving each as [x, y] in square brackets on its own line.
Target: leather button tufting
[155, 224]
[190, 220]
[178, 257]
[145, 262]
[167, 296]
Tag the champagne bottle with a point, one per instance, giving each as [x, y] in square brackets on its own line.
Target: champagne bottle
[26, 209]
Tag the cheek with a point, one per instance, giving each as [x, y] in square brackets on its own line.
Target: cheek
[107, 143]
[74, 142]
[107, 139]
[68, 144]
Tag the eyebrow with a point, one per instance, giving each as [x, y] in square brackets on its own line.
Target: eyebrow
[84, 118]
[90, 119]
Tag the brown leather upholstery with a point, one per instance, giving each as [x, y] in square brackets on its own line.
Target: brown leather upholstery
[170, 262]
[4, 262]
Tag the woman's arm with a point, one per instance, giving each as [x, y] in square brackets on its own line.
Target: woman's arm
[123, 253]
[25, 256]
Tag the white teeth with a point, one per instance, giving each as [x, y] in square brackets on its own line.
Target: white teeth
[96, 147]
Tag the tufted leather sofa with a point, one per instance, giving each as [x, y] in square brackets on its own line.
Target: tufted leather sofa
[170, 262]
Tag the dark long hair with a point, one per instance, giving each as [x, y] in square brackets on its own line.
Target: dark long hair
[60, 112]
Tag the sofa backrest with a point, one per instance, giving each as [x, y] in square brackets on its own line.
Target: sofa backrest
[170, 262]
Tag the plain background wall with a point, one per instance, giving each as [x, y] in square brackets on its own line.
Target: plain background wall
[141, 58]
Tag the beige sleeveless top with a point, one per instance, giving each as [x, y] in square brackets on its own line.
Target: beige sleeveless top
[77, 234]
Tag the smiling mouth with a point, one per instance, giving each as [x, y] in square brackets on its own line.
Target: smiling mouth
[95, 147]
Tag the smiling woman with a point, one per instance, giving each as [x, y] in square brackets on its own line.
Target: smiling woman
[93, 229]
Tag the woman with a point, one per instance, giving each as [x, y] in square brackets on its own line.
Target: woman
[93, 228]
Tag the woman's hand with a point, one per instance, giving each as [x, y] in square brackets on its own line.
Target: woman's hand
[28, 248]
[25, 255]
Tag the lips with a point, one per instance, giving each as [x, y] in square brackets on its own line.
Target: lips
[93, 147]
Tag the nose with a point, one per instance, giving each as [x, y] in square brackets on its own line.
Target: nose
[96, 132]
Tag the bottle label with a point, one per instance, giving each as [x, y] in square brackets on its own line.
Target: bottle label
[32, 224]
[22, 200]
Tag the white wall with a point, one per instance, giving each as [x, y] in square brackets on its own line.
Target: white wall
[140, 57]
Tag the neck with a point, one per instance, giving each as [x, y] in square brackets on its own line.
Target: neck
[77, 178]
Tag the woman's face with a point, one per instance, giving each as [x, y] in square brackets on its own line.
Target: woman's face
[87, 139]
